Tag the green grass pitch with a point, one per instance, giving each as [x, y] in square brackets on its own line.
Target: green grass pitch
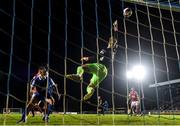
[92, 119]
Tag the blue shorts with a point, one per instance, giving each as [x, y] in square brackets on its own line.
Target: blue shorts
[40, 97]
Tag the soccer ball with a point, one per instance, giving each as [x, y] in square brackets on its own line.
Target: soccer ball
[127, 12]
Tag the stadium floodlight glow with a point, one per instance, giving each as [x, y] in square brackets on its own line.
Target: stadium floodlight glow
[129, 74]
[137, 72]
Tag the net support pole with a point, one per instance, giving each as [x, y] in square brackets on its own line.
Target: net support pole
[11, 54]
[140, 61]
[174, 33]
[48, 52]
[82, 48]
[65, 59]
[97, 57]
[112, 59]
[30, 53]
[177, 52]
[165, 55]
[153, 60]
[97, 51]
[49, 33]
[126, 56]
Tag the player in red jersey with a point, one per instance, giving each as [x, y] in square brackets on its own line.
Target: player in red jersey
[134, 102]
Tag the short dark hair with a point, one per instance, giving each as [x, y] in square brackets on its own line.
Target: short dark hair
[43, 68]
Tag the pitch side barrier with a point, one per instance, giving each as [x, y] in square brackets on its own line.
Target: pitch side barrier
[10, 110]
[163, 112]
[117, 111]
[164, 83]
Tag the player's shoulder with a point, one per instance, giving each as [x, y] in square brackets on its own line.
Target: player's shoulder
[50, 78]
[36, 76]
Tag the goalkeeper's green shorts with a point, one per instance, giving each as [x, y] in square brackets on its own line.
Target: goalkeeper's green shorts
[99, 72]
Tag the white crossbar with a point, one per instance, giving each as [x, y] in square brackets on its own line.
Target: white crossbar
[163, 5]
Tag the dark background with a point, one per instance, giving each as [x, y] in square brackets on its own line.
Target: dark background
[19, 43]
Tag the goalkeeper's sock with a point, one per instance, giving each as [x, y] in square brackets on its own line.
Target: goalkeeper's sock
[89, 94]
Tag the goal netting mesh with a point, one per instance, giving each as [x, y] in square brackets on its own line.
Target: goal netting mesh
[60, 32]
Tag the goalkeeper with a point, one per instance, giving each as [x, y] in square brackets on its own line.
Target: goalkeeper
[98, 70]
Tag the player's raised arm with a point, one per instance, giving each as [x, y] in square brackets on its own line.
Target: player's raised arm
[57, 91]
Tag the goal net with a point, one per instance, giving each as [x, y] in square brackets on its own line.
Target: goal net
[60, 33]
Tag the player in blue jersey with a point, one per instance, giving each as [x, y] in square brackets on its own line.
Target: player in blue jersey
[42, 87]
